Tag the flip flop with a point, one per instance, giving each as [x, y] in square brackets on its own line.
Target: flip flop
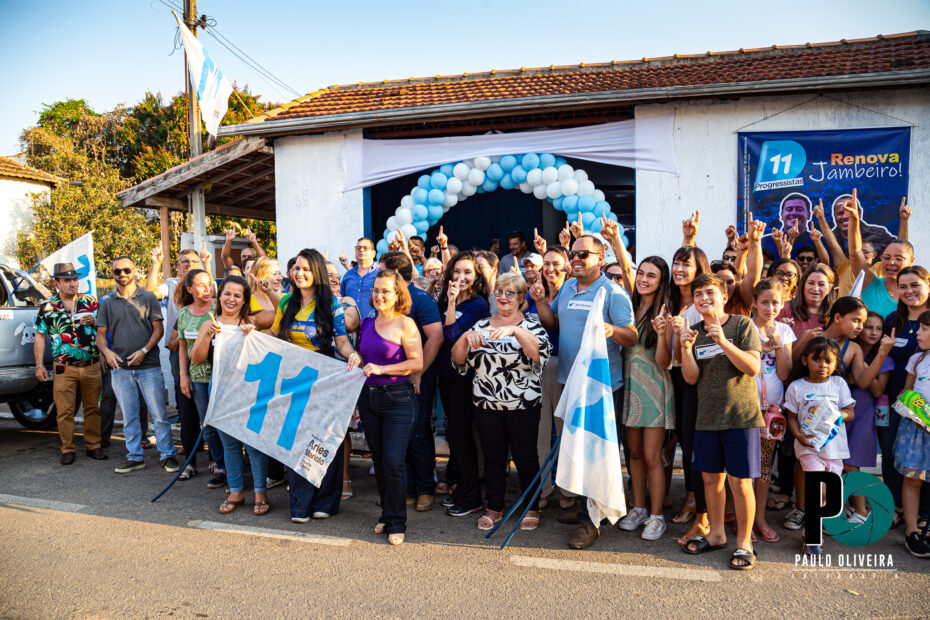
[767, 535]
[529, 523]
[261, 508]
[227, 506]
[702, 545]
[486, 521]
[777, 503]
[743, 554]
[688, 512]
[346, 494]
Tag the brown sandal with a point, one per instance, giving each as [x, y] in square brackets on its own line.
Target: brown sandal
[261, 508]
[228, 506]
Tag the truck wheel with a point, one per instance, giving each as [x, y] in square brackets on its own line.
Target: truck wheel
[35, 410]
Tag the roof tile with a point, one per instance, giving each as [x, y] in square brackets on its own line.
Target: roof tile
[12, 168]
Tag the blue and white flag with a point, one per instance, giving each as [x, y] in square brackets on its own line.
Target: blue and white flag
[79, 253]
[212, 87]
[288, 402]
[589, 454]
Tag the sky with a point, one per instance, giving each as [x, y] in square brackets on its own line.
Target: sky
[112, 52]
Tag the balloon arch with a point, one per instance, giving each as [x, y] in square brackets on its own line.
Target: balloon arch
[544, 175]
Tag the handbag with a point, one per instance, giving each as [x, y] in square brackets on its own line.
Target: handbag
[775, 422]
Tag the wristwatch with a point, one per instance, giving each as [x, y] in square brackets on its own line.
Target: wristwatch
[144, 350]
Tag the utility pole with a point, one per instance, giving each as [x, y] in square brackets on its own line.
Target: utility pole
[196, 199]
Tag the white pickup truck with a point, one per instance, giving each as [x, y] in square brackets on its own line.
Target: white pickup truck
[30, 402]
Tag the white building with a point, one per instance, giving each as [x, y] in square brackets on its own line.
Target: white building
[18, 183]
[288, 163]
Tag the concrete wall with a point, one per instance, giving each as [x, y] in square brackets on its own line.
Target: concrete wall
[706, 153]
[312, 210]
[15, 213]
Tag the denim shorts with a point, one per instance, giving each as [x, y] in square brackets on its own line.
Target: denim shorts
[736, 451]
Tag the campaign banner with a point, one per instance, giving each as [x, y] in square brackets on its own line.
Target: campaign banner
[80, 253]
[783, 174]
[285, 401]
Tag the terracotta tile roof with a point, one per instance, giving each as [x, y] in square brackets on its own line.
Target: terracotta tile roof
[881, 54]
[12, 168]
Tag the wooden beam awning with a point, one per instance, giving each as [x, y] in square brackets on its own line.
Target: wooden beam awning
[237, 180]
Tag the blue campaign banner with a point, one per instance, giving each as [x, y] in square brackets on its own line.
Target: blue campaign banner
[782, 175]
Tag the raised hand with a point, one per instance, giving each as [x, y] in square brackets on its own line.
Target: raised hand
[732, 239]
[249, 235]
[230, 234]
[756, 229]
[778, 236]
[537, 292]
[676, 322]
[688, 336]
[887, 343]
[453, 292]
[344, 261]
[442, 239]
[659, 322]
[577, 228]
[817, 210]
[539, 243]
[715, 330]
[205, 256]
[689, 227]
[610, 231]
[742, 244]
[565, 236]
[792, 233]
[816, 235]
[156, 255]
[853, 210]
[904, 211]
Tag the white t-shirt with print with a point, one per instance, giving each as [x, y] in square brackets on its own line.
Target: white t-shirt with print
[921, 373]
[775, 389]
[802, 394]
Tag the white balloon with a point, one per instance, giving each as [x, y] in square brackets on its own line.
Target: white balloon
[445, 209]
[475, 177]
[392, 223]
[585, 188]
[569, 187]
[554, 190]
[580, 175]
[468, 189]
[403, 215]
[482, 163]
[526, 188]
[566, 172]
[409, 230]
[539, 191]
[550, 175]
[454, 185]
[391, 236]
[469, 162]
[407, 201]
[450, 201]
[460, 171]
[534, 176]
[598, 195]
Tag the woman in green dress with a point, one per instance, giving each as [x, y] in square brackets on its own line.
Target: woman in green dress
[649, 401]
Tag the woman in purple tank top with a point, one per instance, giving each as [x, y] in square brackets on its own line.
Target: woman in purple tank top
[390, 345]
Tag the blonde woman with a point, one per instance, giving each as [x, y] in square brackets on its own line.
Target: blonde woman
[265, 281]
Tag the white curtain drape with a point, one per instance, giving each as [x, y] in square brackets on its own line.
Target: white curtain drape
[643, 144]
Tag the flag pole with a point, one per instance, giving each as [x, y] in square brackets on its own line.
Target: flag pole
[529, 505]
[190, 458]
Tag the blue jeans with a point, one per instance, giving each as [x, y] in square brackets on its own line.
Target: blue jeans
[201, 392]
[127, 383]
[421, 453]
[389, 413]
[232, 449]
[307, 499]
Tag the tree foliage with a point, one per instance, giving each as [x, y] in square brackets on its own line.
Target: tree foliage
[101, 154]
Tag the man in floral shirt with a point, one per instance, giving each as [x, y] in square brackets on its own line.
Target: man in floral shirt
[68, 320]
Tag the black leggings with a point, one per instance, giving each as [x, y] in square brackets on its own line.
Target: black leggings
[501, 432]
[685, 420]
[460, 420]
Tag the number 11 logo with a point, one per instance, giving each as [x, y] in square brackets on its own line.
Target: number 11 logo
[266, 374]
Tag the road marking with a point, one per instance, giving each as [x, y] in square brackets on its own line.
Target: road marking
[40, 503]
[623, 570]
[318, 539]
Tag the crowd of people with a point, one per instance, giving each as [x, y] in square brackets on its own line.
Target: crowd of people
[726, 359]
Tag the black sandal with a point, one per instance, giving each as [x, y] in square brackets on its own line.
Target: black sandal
[701, 545]
[743, 554]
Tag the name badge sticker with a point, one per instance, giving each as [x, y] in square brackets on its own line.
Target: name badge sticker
[708, 351]
[579, 305]
[190, 335]
[900, 342]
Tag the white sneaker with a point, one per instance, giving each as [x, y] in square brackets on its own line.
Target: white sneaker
[320, 515]
[856, 518]
[655, 528]
[633, 519]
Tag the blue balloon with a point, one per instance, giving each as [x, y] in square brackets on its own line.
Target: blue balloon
[595, 225]
[613, 216]
[570, 203]
[489, 185]
[507, 182]
[530, 161]
[586, 203]
[438, 180]
[557, 203]
[422, 226]
[571, 213]
[423, 181]
[494, 172]
[601, 207]
[420, 212]
[386, 234]
[481, 189]
[507, 162]
[435, 212]
[382, 246]
[626, 242]
[436, 196]
[420, 196]
[546, 160]
[559, 161]
[518, 174]
[446, 169]
[587, 218]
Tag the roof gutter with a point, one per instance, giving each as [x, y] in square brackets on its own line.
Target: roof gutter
[375, 117]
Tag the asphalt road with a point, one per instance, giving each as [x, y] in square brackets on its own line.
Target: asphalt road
[82, 541]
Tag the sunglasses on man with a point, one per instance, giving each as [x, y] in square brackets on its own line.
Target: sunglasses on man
[583, 254]
[119, 272]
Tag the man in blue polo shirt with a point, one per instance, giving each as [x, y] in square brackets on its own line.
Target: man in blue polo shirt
[357, 282]
[568, 313]
[421, 452]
